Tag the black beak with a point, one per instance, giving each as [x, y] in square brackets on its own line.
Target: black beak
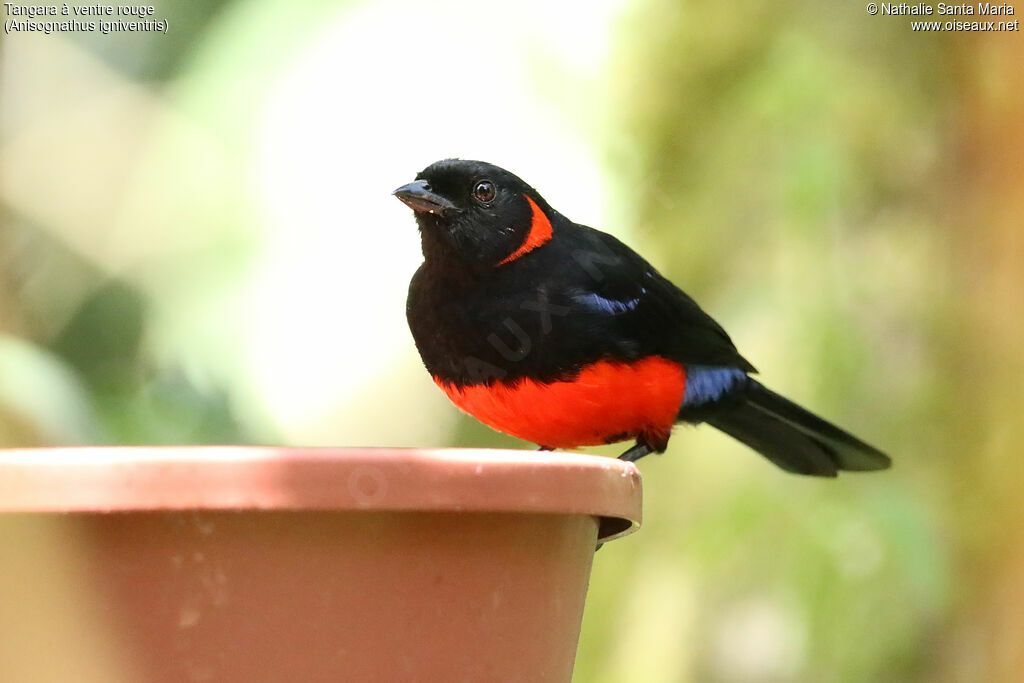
[418, 197]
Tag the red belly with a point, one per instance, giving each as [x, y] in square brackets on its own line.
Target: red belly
[608, 401]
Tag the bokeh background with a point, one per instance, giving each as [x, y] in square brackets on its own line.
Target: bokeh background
[198, 245]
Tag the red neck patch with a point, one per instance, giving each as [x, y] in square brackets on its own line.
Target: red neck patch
[540, 232]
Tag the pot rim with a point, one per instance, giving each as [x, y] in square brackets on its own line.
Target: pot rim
[162, 478]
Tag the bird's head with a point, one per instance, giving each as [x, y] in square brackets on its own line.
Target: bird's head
[476, 213]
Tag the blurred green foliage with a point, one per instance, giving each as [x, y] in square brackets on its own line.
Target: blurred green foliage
[844, 195]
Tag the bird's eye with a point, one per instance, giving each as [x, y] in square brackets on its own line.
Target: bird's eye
[484, 191]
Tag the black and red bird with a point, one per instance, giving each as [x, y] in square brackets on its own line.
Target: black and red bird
[560, 334]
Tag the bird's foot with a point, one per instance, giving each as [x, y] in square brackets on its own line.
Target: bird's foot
[638, 451]
[545, 448]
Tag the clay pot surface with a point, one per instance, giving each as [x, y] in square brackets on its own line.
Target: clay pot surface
[294, 564]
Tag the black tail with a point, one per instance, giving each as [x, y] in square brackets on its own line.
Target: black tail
[793, 438]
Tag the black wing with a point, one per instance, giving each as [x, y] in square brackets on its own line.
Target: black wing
[637, 303]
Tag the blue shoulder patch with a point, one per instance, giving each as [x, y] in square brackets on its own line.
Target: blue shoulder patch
[598, 303]
[707, 383]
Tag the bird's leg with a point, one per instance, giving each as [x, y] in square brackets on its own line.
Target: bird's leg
[545, 448]
[638, 451]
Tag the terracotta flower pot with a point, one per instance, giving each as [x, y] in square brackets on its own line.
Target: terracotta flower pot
[264, 564]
